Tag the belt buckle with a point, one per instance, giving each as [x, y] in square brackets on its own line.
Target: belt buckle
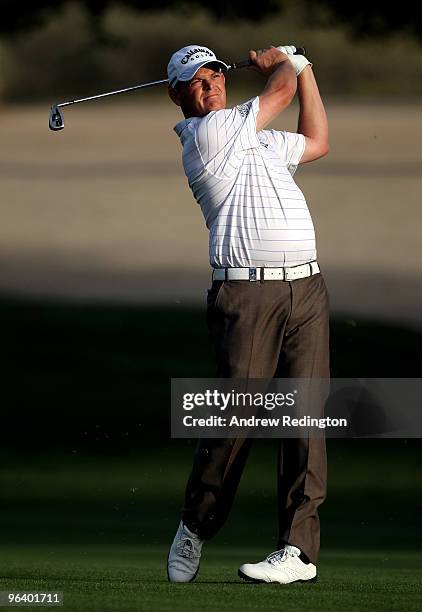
[252, 274]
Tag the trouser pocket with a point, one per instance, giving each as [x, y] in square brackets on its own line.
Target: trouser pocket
[214, 293]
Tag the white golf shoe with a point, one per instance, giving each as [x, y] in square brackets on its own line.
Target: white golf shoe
[184, 555]
[283, 566]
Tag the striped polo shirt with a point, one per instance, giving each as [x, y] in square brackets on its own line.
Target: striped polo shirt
[243, 181]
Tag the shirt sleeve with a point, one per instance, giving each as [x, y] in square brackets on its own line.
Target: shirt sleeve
[223, 136]
[290, 146]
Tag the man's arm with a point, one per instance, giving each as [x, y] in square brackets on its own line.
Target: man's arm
[313, 122]
[281, 84]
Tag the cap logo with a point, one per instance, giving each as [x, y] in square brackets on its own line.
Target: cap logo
[191, 52]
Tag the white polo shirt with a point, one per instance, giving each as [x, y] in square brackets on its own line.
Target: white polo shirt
[243, 181]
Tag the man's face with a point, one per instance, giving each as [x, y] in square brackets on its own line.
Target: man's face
[204, 93]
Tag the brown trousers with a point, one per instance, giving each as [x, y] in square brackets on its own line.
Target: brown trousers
[265, 329]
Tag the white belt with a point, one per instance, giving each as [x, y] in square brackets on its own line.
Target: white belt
[254, 274]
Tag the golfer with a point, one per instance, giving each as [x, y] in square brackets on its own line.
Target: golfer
[267, 308]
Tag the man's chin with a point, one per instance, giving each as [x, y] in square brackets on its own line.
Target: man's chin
[213, 104]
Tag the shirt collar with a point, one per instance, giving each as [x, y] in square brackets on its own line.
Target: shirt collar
[181, 127]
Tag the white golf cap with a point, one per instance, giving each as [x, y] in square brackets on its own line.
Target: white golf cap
[184, 64]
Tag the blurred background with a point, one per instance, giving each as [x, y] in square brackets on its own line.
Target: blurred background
[104, 263]
[102, 210]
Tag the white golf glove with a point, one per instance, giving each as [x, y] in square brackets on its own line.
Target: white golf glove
[299, 61]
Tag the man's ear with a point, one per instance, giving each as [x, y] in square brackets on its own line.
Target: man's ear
[174, 95]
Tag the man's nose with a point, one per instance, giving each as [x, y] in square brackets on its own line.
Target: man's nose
[207, 84]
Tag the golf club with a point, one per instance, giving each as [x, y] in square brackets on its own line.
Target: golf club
[56, 120]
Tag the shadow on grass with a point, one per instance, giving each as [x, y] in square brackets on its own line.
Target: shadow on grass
[134, 500]
[86, 455]
[97, 376]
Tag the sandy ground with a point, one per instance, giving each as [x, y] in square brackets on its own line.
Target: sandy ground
[102, 209]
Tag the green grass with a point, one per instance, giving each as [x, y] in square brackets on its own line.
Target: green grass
[98, 529]
[118, 578]
[91, 485]
[100, 373]
[375, 488]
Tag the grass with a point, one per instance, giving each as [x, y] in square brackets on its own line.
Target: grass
[91, 484]
[105, 366]
[113, 578]
[98, 529]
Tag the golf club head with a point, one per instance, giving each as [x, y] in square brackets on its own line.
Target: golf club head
[56, 121]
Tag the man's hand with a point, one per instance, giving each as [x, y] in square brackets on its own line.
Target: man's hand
[266, 61]
[299, 61]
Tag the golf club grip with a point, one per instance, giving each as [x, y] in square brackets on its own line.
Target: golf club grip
[246, 63]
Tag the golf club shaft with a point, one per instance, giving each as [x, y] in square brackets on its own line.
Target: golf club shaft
[241, 64]
[113, 93]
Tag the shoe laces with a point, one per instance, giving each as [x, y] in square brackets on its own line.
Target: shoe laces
[279, 556]
[186, 548]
